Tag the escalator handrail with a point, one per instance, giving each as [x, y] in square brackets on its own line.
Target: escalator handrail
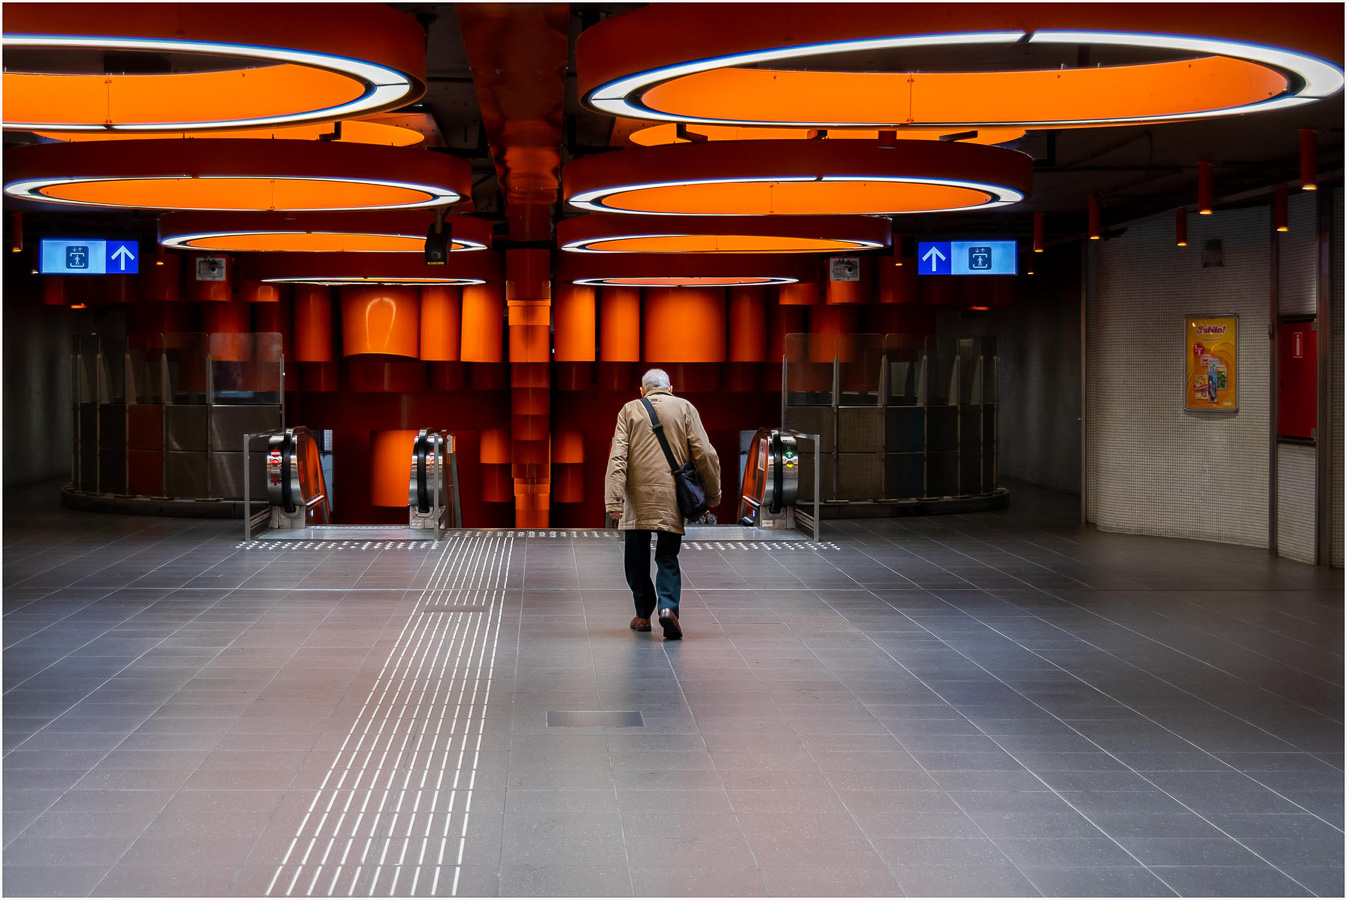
[419, 462]
[778, 475]
[288, 449]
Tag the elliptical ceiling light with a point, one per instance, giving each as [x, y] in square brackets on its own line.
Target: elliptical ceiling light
[201, 66]
[877, 65]
[760, 178]
[383, 131]
[369, 268]
[688, 281]
[268, 232]
[685, 269]
[646, 134]
[232, 175]
[392, 278]
[603, 233]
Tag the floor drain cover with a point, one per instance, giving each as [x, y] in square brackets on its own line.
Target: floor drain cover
[481, 607]
[593, 718]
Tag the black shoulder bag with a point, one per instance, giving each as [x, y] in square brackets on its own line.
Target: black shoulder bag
[687, 483]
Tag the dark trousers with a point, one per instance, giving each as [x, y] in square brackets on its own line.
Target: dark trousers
[668, 580]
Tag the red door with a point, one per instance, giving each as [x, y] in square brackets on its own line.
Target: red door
[1297, 380]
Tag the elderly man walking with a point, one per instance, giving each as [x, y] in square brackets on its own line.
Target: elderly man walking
[639, 493]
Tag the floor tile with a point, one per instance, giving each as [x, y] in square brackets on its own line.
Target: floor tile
[1000, 704]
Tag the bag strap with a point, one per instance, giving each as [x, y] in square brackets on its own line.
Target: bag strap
[658, 427]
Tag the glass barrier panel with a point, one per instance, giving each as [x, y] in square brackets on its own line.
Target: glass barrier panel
[112, 351]
[145, 369]
[809, 369]
[860, 359]
[85, 389]
[969, 371]
[187, 376]
[942, 372]
[905, 353]
[987, 349]
[246, 368]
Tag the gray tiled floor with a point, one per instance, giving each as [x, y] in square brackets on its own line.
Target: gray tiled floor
[993, 704]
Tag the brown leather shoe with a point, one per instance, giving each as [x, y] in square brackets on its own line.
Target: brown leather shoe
[639, 624]
[668, 619]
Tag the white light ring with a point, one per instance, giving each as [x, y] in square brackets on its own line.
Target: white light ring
[339, 281]
[179, 241]
[27, 190]
[611, 97]
[1321, 78]
[384, 87]
[1000, 194]
[759, 281]
[579, 246]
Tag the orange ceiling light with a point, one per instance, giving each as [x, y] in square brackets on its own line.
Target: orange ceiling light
[369, 268]
[603, 233]
[794, 178]
[230, 175]
[647, 135]
[386, 279]
[352, 131]
[688, 281]
[872, 66]
[388, 232]
[684, 269]
[150, 67]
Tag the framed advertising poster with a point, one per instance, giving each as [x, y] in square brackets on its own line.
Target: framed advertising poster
[1210, 363]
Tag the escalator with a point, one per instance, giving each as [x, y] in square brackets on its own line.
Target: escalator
[297, 494]
[770, 492]
[298, 503]
[432, 497]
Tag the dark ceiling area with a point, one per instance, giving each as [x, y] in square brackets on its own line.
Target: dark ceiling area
[1133, 170]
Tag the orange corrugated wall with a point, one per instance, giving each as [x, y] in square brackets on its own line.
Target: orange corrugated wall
[574, 328]
[313, 323]
[620, 324]
[441, 323]
[483, 324]
[685, 324]
[383, 319]
[391, 466]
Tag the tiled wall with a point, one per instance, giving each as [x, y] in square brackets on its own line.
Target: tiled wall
[1295, 502]
[1336, 382]
[37, 416]
[1154, 468]
[1297, 294]
[1298, 259]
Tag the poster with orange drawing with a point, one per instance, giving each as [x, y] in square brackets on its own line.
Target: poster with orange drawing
[1209, 383]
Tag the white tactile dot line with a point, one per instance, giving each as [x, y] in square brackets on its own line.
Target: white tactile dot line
[425, 712]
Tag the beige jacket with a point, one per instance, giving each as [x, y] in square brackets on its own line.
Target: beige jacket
[638, 479]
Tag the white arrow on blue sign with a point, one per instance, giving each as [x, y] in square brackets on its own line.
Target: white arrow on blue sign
[87, 256]
[966, 257]
[937, 256]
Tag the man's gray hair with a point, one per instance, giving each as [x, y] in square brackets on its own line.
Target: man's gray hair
[656, 380]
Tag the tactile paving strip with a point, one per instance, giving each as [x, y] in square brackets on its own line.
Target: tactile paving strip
[391, 816]
[278, 546]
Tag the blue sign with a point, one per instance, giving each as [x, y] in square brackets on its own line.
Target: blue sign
[81, 256]
[966, 257]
